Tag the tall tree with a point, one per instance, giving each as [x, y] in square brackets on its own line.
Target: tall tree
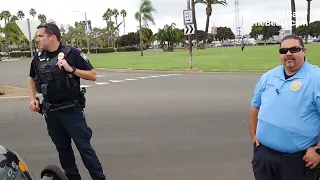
[308, 21]
[42, 18]
[144, 16]
[33, 12]
[194, 17]
[209, 4]
[293, 16]
[5, 15]
[20, 14]
[314, 29]
[115, 13]
[124, 15]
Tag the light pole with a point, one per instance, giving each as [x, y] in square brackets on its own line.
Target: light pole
[87, 30]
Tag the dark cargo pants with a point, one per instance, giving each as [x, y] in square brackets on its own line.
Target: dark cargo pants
[68, 124]
[268, 164]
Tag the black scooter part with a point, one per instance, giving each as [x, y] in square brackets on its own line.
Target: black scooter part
[52, 172]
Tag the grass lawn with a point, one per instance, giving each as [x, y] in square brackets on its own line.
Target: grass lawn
[219, 59]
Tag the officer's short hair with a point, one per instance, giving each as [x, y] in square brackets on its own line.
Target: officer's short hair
[293, 36]
[51, 29]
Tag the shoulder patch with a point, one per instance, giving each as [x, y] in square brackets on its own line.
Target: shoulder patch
[84, 57]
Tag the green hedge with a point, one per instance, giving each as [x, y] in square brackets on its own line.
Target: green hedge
[102, 50]
[20, 54]
[127, 48]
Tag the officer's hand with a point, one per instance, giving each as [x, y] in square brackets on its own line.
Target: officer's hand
[312, 158]
[63, 63]
[34, 106]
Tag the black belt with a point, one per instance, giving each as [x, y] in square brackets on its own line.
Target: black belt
[298, 154]
[56, 107]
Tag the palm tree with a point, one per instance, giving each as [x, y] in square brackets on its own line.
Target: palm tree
[115, 13]
[308, 21]
[106, 17]
[293, 17]
[20, 14]
[14, 18]
[42, 18]
[124, 15]
[109, 12]
[209, 4]
[33, 12]
[144, 15]
[5, 15]
[193, 7]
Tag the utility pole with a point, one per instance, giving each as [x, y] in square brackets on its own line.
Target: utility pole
[190, 39]
[87, 32]
[87, 29]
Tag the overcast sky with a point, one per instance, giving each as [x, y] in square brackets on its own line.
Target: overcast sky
[168, 11]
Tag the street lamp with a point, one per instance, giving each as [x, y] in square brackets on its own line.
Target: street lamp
[87, 29]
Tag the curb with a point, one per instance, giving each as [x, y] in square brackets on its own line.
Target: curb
[174, 72]
[13, 97]
[13, 59]
[17, 97]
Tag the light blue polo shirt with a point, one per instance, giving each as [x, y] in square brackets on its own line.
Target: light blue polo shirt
[289, 110]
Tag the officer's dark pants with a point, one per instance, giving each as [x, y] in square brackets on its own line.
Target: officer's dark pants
[268, 164]
[68, 124]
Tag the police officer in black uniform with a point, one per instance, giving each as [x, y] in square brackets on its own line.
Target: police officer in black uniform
[55, 72]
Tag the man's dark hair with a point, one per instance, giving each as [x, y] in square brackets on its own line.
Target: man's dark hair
[51, 29]
[293, 36]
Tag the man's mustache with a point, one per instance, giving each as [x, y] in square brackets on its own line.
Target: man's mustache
[289, 58]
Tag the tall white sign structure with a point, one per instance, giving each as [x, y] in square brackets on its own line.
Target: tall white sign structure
[29, 29]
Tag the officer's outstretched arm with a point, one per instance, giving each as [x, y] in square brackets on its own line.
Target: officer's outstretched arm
[32, 88]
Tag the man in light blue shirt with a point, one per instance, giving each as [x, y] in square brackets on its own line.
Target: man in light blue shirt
[285, 117]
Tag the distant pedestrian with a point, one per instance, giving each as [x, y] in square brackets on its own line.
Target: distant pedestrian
[285, 117]
[242, 44]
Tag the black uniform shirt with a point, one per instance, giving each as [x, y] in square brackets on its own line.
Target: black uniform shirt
[79, 62]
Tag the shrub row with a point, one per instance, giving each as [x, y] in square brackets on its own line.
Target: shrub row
[20, 54]
[102, 50]
[127, 48]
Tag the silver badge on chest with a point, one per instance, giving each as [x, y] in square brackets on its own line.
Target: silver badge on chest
[60, 56]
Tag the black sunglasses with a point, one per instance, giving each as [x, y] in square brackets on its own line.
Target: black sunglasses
[45, 25]
[294, 49]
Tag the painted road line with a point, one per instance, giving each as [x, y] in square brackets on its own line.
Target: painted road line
[116, 81]
[101, 83]
[142, 77]
[85, 86]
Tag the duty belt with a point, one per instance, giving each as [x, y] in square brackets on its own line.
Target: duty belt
[56, 107]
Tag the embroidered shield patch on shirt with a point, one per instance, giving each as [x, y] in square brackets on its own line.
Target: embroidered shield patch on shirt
[295, 86]
[84, 57]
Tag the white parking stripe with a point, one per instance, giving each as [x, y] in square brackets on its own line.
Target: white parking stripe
[115, 81]
[127, 79]
[101, 83]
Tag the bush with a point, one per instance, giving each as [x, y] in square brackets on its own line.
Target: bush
[102, 50]
[127, 49]
[20, 54]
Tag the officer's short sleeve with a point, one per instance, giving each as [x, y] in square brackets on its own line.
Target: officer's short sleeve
[81, 61]
[32, 72]
[256, 97]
